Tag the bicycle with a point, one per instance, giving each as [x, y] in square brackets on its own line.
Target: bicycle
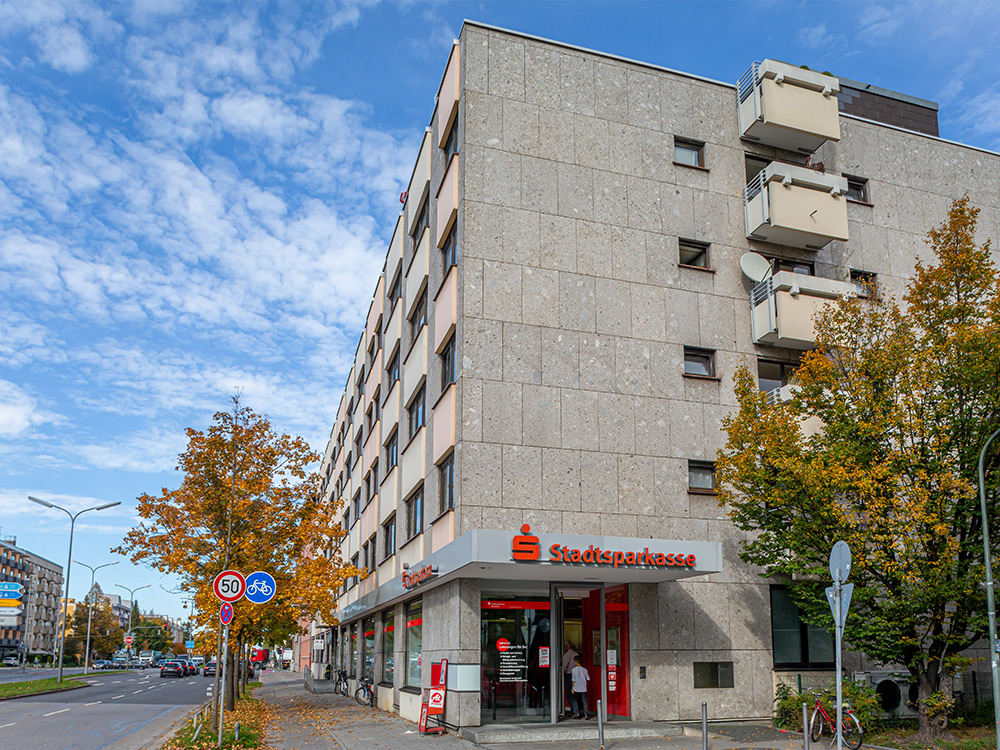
[365, 695]
[340, 685]
[259, 586]
[850, 726]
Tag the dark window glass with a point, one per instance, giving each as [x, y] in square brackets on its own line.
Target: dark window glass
[693, 253]
[415, 514]
[857, 189]
[389, 537]
[449, 252]
[754, 164]
[421, 225]
[354, 579]
[395, 291]
[713, 674]
[393, 369]
[419, 318]
[795, 642]
[392, 450]
[447, 484]
[771, 375]
[414, 643]
[451, 144]
[864, 281]
[689, 153]
[699, 361]
[448, 364]
[388, 645]
[418, 412]
[356, 505]
[804, 267]
[701, 476]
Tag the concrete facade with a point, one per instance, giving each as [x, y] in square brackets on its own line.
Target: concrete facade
[37, 629]
[570, 410]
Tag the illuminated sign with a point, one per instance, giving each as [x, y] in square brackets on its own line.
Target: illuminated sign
[526, 548]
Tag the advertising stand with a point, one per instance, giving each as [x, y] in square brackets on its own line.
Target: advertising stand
[432, 703]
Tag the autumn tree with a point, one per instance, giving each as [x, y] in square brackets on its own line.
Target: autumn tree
[248, 501]
[105, 632]
[906, 391]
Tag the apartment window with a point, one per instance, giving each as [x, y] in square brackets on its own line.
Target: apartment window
[392, 451]
[699, 362]
[414, 643]
[864, 281]
[713, 674]
[689, 153]
[371, 553]
[415, 514]
[356, 503]
[419, 318]
[417, 411]
[448, 364]
[796, 643]
[451, 144]
[693, 253]
[447, 483]
[347, 519]
[449, 252]
[374, 477]
[358, 444]
[421, 225]
[354, 563]
[857, 189]
[389, 537]
[754, 165]
[805, 267]
[393, 369]
[771, 375]
[395, 290]
[364, 556]
[701, 477]
[388, 645]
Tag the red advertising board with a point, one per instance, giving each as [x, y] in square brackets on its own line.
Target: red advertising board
[433, 700]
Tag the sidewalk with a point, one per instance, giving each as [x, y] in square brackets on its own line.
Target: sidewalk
[307, 721]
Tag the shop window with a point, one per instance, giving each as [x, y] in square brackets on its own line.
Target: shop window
[693, 254]
[419, 318]
[448, 364]
[713, 674]
[415, 514]
[796, 643]
[689, 153]
[392, 451]
[392, 371]
[447, 483]
[414, 643]
[864, 281]
[352, 657]
[699, 362]
[449, 252]
[701, 477]
[388, 646]
[857, 189]
[417, 411]
[389, 537]
[772, 375]
[368, 648]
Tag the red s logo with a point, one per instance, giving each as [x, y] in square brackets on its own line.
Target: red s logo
[525, 546]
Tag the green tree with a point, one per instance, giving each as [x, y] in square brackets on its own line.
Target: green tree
[105, 633]
[906, 392]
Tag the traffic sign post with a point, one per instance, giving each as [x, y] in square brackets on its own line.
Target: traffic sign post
[260, 587]
[129, 639]
[839, 596]
[229, 586]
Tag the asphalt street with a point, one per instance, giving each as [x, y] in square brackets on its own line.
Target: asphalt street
[123, 711]
[14, 674]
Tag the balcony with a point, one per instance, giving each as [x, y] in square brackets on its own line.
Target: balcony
[810, 425]
[784, 307]
[795, 206]
[787, 107]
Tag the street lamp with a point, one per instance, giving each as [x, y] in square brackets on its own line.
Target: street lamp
[131, 596]
[69, 559]
[90, 608]
[990, 603]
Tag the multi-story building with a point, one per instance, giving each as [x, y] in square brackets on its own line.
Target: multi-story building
[588, 248]
[37, 626]
[121, 608]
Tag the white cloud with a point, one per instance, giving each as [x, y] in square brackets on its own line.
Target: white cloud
[64, 48]
[19, 411]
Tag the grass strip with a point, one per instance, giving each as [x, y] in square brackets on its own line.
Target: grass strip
[249, 711]
[33, 687]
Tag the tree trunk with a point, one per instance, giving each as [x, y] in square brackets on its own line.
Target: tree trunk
[930, 681]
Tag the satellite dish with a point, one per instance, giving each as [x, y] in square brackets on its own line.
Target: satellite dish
[756, 267]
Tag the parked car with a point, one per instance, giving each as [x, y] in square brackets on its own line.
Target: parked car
[10, 661]
[174, 668]
[209, 669]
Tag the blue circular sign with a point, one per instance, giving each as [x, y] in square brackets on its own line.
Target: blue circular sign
[260, 587]
[226, 613]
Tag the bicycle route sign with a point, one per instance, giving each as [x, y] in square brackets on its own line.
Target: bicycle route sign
[226, 613]
[229, 586]
[260, 587]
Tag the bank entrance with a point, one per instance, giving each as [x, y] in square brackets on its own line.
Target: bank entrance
[524, 630]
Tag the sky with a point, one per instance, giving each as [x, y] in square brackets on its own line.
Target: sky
[197, 198]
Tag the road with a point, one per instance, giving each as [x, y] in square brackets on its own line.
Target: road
[121, 711]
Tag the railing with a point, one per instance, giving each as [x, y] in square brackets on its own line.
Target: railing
[754, 187]
[748, 82]
[762, 291]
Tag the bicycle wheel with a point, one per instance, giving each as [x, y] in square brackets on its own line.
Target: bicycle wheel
[852, 731]
[816, 726]
[342, 688]
[361, 696]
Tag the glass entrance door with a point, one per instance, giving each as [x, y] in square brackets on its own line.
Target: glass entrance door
[515, 648]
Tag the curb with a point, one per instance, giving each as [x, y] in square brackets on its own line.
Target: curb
[43, 692]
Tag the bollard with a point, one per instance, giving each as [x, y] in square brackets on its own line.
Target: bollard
[600, 723]
[237, 731]
[805, 727]
[704, 725]
[197, 732]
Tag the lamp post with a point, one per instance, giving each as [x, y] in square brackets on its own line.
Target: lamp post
[90, 608]
[131, 596]
[69, 559]
[990, 603]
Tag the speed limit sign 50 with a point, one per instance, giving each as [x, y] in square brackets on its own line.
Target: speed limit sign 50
[229, 585]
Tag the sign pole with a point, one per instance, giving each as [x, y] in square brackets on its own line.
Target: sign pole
[840, 687]
[224, 658]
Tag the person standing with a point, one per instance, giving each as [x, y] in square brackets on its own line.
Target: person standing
[580, 679]
[569, 654]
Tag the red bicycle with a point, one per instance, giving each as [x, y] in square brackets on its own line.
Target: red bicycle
[850, 728]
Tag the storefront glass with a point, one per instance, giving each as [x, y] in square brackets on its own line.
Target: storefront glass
[388, 646]
[414, 643]
[352, 656]
[368, 648]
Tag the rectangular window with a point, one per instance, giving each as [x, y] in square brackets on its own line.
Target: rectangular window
[415, 514]
[701, 477]
[395, 290]
[693, 253]
[689, 153]
[371, 545]
[421, 225]
[414, 643]
[864, 281]
[857, 189]
[451, 144]
[392, 451]
[447, 483]
[796, 643]
[368, 648]
[356, 563]
[771, 375]
[448, 364]
[356, 503]
[359, 444]
[347, 519]
[417, 411]
[804, 267]
[419, 318]
[713, 674]
[393, 369]
[449, 252]
[389, 537]
[388, 646]
[699, 362]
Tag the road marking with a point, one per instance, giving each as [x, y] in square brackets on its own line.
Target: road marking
[92, 704]
[53, 713]
[117, 697]
[151, 688]
[136, 692]
[4, 726]
[115, 682]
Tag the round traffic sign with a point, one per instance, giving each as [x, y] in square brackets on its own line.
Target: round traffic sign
[226, 613]
[260, 587]
[229, 585]
[128, 640]
[502, 644]
[840, 561]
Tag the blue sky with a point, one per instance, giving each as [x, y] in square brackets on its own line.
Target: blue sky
[197, 197]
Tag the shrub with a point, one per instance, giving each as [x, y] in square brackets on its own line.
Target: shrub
[860, 697]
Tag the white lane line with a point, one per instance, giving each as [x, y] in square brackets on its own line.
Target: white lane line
[94, 703]
[136, 692]
[117, 697]
[97, 683]
[115, 682]
[151, 688]
[4, 726]
[53, 713]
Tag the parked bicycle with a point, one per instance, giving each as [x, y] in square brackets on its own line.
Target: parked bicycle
[850, 726]
[365, 695]
[340, 685]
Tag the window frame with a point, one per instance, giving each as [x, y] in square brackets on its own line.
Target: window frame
[449, 251]
[417, 412]
[703, 248]
[389, 537]
[414, 505]
[719, 672]
[861, 184]
[698, 464]
[804, 631]
[392, 451]
[698, 351]
[691, 146]
[864, 281]
[787, 370]
[418, 319]
[450, 147]
[446, 484]
[449, 369]
[396, 290]
[423, 219]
